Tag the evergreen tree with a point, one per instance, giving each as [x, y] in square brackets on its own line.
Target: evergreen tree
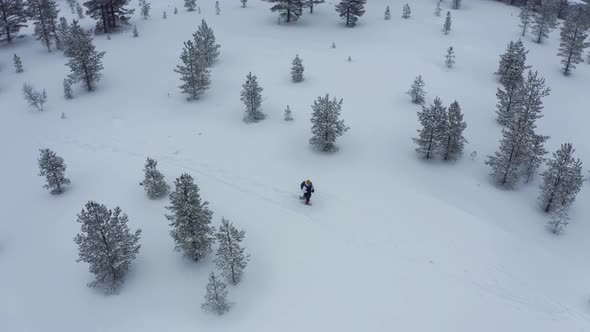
[351, 10]
[135, 32]
[297, 69]
[559, 219]
[417, 91]
[217, 8]
[288, 115]
[205, 43]
[450, 57]
[311, 3]
[244, 3]
[406, 12]
[437, 10]
[190, 220]
[505, 163]
[434, 121]
[153, 181]
[144, 8]
[447, 26]
[12, 18]
[164, 16]
[326, 125]
[216, 296]
[251, 95]
[289, 10]
[509, 102]
[562, 180]
[532, 91]
[453, 140]
[535, 156]
[18, 64]
[512, 64]
[527, 14]
[53, 168]
[387, 14]
[44, 16]
[175, 11]
[193, 71]
[79, 11]
[456, 4]
[35, 98]
[573, 39]
[544, 20]
[231, 258]
[62, 31]
[106, 243]
[190, 5]
[110, 15]
[84, 61]
[67, 89]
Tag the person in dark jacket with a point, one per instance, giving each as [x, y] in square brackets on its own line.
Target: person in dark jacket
[307, 189]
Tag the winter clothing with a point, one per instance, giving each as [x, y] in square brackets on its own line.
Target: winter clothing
[307, 189]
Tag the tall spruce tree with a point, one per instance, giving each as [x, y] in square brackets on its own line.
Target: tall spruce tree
[13, 17]
[193, 71]
[205, 43]
[144, 8]
[106, 243]
[573, 39]
[527, 14]
[509, 102]
[231, 258]
[44, 16]
[453, 140]
[53, 168]
[190, 219]
[351, 10]
[216, 296]
[512, 64]
[251, 95]
[310, 3]
[417, 91]
[562, 180]
[153, 180]
[62, 30]
[535, 156]
[326, 123]
[447, 25]
[406, 11]
[297, 69]
[84, 61]
[431, 136]
[109, 15]
[289, 10]
[544, 20]
[190, 5]
[387, 13]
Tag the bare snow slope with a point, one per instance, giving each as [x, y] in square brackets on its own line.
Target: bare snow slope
[392, 242]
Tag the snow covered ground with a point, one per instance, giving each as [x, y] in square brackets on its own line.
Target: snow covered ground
[392, 243]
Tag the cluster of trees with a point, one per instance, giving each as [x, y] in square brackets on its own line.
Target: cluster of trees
[521, 151]
[292, 10]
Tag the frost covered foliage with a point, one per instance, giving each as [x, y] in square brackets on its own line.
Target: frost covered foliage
[44, 16]
[190, 219]
[33, 97]
[387, 13]
[527, 13]
[559, 219]
[144, 8]
[153, 180]
[18, 64]
[205, 43]
[251, 95]
[452, 138]
[417, 91]
[351, 10]
[231, 258]
[13, 17]
[67, 85]
[573, 39]
[193, 71]
[190, 5]
[106, 243]
[447, 25]
[406, 11]
[433, 120]
[297, 69]
[562, 180]
[310, 3]
[84, 61]
[512, 64]
[216, 296]
[450, 57]
[326, 123]
[109, 15]
[53, 168]
[288, 114]
[544, 20]
[289, 10]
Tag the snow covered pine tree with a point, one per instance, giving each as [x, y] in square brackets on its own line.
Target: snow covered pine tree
[13, 17]
[216, 296]
[289, 10]
[231, 259]
[453, 140]
[432, 134]
[288, 115]
[527, 13]
[44, 16]
[251, 95]
[351, 10]
[109, 15]
[153, 181]
[562, 180]
[190, 220]
[573, 39]
[544, 20]
[205, 43]
[84, 61]
[310, 3]
[35, 98]
[297, 69]
[53, 168]
[387, 13]
[326, 125]
[450, 57]
[406, 11]
[417, 91]
[106, 243]
[18, 64]
[190, 5]
[144, 8]
[193, 71]
[447, 26]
